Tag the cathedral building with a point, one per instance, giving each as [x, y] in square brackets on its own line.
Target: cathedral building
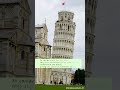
[16, 44]
[42, 51]
[90, 20]
[63, 45]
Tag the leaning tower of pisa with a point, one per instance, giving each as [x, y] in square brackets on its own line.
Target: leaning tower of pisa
[90, 17]
[63, 44]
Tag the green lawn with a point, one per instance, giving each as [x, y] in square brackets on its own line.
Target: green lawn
[59, 87]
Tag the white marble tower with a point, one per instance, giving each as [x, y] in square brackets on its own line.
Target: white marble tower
[63, 45]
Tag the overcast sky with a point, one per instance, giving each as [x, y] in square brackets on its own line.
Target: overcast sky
[49, 9]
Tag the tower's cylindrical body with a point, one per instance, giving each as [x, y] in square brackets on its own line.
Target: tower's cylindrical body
[63, 44]
[90, 20]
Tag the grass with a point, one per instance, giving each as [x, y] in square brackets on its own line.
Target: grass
[59, 87]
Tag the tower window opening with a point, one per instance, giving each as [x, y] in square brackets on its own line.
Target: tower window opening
[68, 28]
[22, 55]
[68, 18]
[60, 26]
[62, 18]
[44, 48]
[87, 20]
[23, 22]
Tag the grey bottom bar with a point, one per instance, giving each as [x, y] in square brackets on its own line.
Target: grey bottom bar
[98, 83]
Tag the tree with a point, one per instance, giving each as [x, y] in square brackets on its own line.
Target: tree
[79, 77]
